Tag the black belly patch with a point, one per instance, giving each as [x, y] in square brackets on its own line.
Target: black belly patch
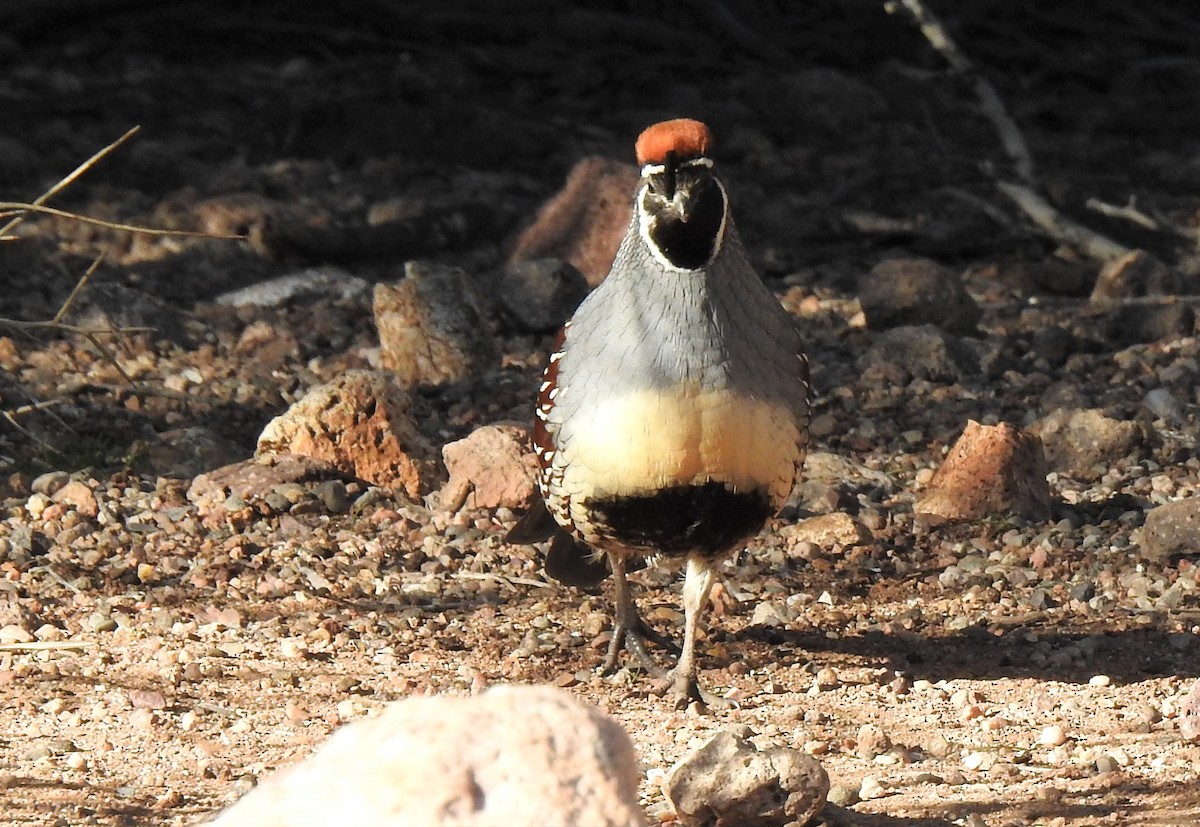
[705, 519]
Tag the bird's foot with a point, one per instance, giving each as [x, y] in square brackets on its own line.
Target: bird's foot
[632, 636]
[684, 687]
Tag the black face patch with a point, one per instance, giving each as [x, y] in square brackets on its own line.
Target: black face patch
[705, 519]
[686, 244]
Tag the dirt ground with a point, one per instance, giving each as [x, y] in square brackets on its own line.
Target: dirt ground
[1016, 672]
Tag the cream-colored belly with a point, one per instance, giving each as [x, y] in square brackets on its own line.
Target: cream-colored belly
[648, 440]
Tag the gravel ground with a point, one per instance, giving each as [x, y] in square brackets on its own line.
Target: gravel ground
[158, 655]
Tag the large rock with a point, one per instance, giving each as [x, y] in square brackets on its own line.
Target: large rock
[1137, 273]
[541, 294]
[117, 307]
[1085, 443]
[362, 424]
[1189, 715]
[585, 221]
[431, 326]
[253, 479]
[513, 756]
[916, 291]
[492, 468]
[903, 354]
[184, 452]
[729, 783]
[1171, 528]
[991, 470]
[1140, 323]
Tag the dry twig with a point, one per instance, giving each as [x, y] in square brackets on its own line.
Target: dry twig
[1023, 193]
[993, 106]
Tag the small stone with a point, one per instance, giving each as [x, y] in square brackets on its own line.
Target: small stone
[12, 633]
[939, 746]
[292, 649]
[827, 678]
[870, 788]
[50, 482]
[769, 613]
[332, 494]
[916, 291]
[100, 622]
[1106, 764]
[828, 530]
[871, 741]
[147, 699]
[1052, 736]
[1170, 529]
[1099, 680]
[76, 761]
[843, 795]
[978, 761]
[727, 780]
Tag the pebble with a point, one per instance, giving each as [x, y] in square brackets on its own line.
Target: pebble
[1052, 736]
[50, 482]
[843, 795]
[978, 760]
[1099, 680]
[871, 741]
[871, 789]
[825, 679]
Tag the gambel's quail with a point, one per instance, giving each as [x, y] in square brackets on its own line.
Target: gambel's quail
[672, 419]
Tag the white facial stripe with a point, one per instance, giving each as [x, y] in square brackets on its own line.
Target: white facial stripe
[659, 169]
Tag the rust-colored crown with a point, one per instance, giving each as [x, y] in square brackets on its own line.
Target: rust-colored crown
[685, 137]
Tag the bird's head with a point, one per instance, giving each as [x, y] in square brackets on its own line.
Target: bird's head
[681, 204]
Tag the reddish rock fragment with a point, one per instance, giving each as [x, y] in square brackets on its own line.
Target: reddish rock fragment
[362, 424]
[991, 470]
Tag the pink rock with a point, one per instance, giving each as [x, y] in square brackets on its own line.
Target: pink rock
[585, 221]
[79, 496]
[1189, 715]
[514, 755]
[492, 468]
[992, 469]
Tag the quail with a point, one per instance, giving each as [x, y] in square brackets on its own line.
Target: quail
[672, 419]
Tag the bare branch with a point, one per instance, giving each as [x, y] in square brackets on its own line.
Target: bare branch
[21, 208]
[69, 179]
[79, 285]
[989, 100]
[1089, 242]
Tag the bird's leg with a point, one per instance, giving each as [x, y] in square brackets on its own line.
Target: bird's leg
[629, 631]
[681, 681]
